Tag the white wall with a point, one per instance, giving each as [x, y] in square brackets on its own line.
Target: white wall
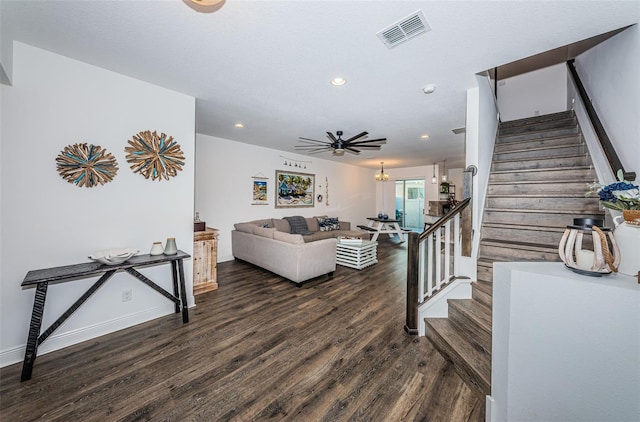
[609, 73]
[566, 347]
[224, 171]
[482, 126]
[48, 222]
[542, 91]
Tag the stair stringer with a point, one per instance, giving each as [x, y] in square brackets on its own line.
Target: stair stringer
[437, 306]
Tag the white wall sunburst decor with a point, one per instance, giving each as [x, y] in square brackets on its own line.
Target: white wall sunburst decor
[153, 156]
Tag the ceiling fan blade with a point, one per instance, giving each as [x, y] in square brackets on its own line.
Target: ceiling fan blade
[313, 140]
[380, 141]
[352, 151]
[360, 135]
[367, 146]
[315, 151]
[314, 143]
[330, 136]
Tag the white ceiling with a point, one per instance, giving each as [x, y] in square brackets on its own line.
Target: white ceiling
[268, 64]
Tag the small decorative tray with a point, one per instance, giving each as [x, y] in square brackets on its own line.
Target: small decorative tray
[113, 256]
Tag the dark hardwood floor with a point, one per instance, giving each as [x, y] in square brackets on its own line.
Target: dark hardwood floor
[258, 348]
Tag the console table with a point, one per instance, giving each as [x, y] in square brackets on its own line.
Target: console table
[41, 279]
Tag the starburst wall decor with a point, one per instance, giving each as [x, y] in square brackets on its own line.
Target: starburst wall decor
[86, 165]
[153, 156]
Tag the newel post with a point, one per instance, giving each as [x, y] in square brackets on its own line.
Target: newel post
[413, 248]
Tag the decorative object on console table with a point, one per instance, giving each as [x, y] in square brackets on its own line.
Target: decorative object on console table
[205, 255]
[171, 248]
[156, 249]
[153, 156]
[86, 165]
[198, 225]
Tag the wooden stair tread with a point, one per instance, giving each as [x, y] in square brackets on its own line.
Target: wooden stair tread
[540, 182]
[540, 170]
[538, 159]
[538, 195]
[524, 227]
[534, 211]
[471, 362]
[480, 314]
[560, 115]
[547, 138]
[485, 286]
[520, 245]
[543, 148]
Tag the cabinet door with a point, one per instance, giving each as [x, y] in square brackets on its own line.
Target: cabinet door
[204, 266]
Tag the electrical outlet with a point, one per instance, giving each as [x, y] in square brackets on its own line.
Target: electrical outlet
[127, 295]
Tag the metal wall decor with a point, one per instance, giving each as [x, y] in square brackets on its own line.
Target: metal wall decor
[153, 156]
[86, 165]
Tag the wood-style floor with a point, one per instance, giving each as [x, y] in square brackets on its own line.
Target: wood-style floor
[258, 348]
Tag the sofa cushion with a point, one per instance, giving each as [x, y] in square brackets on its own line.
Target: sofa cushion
[245, 227]
[262, 223]
[288, 237]
[312, 224]
[281, 225]
[328, 224]
[298, 225]
[264, 231]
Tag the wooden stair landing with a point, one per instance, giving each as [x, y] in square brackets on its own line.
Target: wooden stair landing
[539, 174]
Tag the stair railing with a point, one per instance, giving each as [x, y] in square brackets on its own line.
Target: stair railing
[601, 134]
[431, 262]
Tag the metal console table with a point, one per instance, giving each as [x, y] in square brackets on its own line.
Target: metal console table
[41, 279]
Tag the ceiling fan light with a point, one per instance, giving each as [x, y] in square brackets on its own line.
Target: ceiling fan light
[206, 2]
[339, 151]
[338, 81]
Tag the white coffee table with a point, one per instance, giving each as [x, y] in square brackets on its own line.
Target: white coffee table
[357, 255]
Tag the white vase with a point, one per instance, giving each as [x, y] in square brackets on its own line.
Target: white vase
[156, 249]
[628, 239]
[171, 248]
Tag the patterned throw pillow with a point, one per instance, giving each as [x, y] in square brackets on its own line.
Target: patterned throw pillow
[328, 224]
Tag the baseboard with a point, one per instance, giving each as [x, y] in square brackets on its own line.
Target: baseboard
[69, 338]
[489, 411]
[437, 307]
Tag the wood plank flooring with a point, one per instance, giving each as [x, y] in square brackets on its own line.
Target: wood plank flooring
[258, 348]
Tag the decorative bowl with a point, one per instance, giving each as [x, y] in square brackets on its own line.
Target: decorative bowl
[113, 256]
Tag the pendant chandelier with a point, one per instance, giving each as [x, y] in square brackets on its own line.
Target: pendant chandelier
[444, 171]
[434, 179]
[382, 176]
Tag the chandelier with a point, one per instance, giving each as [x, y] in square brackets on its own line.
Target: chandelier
[382, 176]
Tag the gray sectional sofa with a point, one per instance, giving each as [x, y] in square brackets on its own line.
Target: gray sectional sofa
[270, 244]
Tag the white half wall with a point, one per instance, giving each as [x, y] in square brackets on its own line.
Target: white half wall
[566, 347]
[47, 222]
[224, 171]
[542, 91]
[609, 72]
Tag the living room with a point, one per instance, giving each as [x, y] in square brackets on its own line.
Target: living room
[55, 100]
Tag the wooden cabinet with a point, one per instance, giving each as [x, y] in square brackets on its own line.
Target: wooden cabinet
[205, 256]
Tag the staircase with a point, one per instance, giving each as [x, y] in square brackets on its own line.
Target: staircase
[539, 175]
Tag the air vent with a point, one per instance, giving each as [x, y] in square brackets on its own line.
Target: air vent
[404, 29]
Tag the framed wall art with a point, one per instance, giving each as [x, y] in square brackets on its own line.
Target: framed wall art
[294, 190]
[260, 185]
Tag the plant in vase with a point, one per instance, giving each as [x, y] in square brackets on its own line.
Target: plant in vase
[620, 196]
[624, 197]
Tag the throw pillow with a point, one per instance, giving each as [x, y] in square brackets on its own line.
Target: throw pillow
[328, 223]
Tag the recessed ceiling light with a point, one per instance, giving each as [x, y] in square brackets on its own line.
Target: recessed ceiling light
[338, 81]
[425, 136]
[238, 125]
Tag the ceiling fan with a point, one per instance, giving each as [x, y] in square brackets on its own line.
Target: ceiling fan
[338, 145]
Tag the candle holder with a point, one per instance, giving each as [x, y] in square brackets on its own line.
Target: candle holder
[603, 259]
